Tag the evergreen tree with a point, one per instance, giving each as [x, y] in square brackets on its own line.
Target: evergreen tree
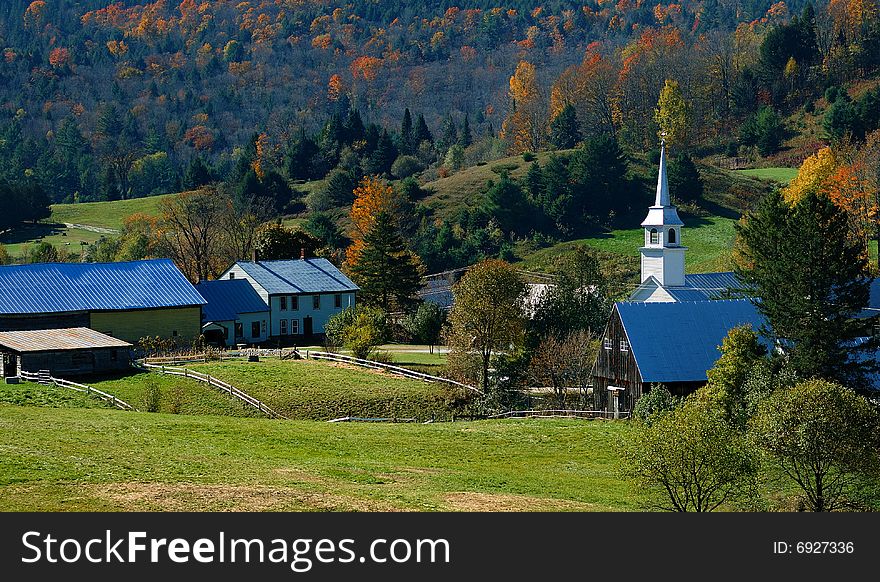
[811, 282]
[449, 136]
[383, 156]
[386, 272]
[685, 182]
[300, 159]
[565, 132]
[197, 174]
[556, 198]
[507, 203]
[421, 132]
[534, 183]
[465, 138]
[597, 172]
[353, 129]
[407, 134]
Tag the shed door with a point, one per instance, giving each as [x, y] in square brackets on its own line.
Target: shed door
[307, 325]
[9, 366]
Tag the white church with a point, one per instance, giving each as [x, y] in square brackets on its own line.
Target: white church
[663, 271]
[671, 326]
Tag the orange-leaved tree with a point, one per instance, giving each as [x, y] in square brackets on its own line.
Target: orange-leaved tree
[371, 197]
[525, 128]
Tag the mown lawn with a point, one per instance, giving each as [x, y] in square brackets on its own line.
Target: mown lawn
[317, 390]
[104, 460]
[781, 175]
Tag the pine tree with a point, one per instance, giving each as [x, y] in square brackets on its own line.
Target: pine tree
[450, 135]
[407, 134]
[300, 157]
[197, 174]
[684, 179]
[383, 156]
[811, 280]
[386, 272]
[465, 138]
[422, 133]
[564, 130]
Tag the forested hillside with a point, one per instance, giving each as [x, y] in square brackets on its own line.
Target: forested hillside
[287, 105]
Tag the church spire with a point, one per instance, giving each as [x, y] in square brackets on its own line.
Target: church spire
[663, 253]
[662, 198]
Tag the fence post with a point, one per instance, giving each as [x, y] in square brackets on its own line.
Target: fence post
[185, 373]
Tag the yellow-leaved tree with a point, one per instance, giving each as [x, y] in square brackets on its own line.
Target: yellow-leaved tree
[814, 175]
[525, 128]
[673, 114]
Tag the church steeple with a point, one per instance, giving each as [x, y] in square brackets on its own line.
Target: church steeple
[663, 255]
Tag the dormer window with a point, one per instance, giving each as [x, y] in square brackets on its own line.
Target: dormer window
[655, 239]
[672, 236]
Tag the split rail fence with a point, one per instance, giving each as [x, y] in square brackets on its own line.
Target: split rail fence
[45, 378]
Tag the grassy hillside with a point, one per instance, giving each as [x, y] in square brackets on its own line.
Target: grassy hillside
[709, 242]
[29, 394]
[781, 175]
[100, 216]
[321, 390]
[101, 460]
[105, 214]
[176, 394]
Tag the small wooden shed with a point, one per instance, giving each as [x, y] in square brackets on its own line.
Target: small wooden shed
[64, 352]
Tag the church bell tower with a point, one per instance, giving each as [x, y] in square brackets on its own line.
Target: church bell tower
[663, 255]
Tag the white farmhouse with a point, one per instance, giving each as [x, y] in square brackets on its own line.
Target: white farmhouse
[302, 294]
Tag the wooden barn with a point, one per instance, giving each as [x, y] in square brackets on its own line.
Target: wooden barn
[673, 343]
[63, 352]
[127, 300]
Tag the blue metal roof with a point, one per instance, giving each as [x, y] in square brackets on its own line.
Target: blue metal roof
[678, 342]
[705, 286]
[298, 276]
[229, 297]
[62, 287]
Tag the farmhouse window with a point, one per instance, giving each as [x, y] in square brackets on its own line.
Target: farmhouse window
[316, 302]
[232, 275]
[283, 327]
[294, 303]
[294, 326]
[624, 347]
[283, 300]
[239, 330]
[337, 301]
[264, 326]
[672, 236]
[607, 343]
[255, 329]
[654, 238]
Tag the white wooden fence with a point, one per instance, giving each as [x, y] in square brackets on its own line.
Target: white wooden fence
[45, 378]
[405, 372]
[586, 414]
[216, 383]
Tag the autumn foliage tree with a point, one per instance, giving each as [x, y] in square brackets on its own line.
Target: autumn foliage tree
[371, 197]
[526, 125]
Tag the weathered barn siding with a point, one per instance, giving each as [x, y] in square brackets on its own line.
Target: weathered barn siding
[76, 362]
[614, 367]
[184, 323]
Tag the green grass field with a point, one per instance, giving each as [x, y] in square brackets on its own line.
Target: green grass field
[709, 242]
[781, 175]
[317, 390]
[188, 396]
[105, 214]
[103, 460]
[64, 239]
[29, 394]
